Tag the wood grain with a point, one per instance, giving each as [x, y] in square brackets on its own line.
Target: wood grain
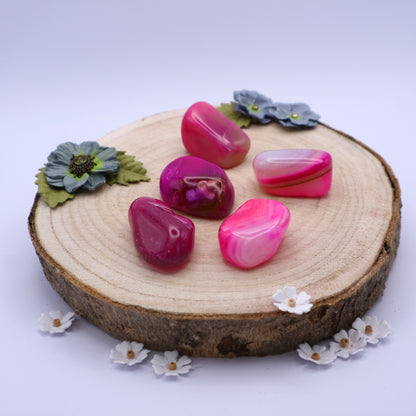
[338, 248]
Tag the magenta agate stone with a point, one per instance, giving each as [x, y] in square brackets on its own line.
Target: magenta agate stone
[294, 172]
[163, 238]
[208, 134]
[252, 234]
[198, 187]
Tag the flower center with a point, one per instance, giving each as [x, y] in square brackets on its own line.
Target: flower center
[56, 323]
[81, 164]
[315, 356]
[291, 302]
[254, 107]
[295, 116]
[368, 330]
[344, 342]
[172, 366]
[130, 354]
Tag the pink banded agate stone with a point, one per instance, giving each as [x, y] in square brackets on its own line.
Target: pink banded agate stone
[197, 187]
[208, 134]
[252, 234]
[294, 172]
[163, 238]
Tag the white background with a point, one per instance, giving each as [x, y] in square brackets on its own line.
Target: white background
[75, 70]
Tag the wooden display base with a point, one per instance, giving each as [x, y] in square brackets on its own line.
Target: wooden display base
[338, 248]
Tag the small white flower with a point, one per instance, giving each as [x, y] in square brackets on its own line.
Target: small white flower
[170, 365]
[371, 328]
[129, 353]
[287, 300]
[55, 322]
[348, 343]
[318, 354]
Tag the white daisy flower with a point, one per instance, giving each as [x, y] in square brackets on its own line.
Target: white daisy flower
[318, 354]
[287, 300]
[371, 328]
[129, 353]
[170, 365]
[55, 322]
[348, 343]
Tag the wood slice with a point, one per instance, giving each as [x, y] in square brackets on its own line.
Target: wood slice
[338, 248]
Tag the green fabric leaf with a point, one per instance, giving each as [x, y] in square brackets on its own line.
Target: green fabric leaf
[52, 196]
[238, 118]
[130, 171]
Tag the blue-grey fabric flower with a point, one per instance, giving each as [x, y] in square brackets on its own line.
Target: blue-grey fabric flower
[295, 115]
[254, 105]
[72, 166]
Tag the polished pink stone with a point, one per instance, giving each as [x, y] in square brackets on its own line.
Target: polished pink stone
[294, 172]
[208, 134]
[198, 187]
[252, 234]
[163, 238]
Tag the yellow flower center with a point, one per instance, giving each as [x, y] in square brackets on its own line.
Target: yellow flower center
[291, 302]
[315, 356]
[130, 354]
[56, 323]
[81, 164]
[172, 366]
[368, 330]
[295, 116]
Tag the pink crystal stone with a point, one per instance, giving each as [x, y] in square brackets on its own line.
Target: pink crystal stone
[252, 234]
[197, 187]
[294, 172]
[208, 134]
[163, 238]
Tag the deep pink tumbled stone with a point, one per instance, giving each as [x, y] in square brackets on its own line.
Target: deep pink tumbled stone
[162, 237]
[198, 187]
[208, 134]
[252, 234]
